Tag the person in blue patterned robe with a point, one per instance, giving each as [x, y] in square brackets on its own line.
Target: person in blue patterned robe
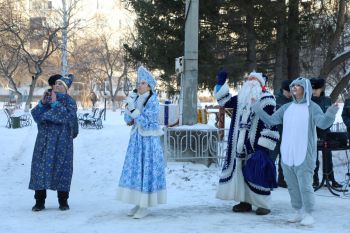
[248, 174]
[142, 181]
[52, 162]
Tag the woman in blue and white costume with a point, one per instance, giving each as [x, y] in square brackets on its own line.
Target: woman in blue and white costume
[142, 181]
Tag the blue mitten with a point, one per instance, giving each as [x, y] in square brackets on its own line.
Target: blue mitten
[221, 77]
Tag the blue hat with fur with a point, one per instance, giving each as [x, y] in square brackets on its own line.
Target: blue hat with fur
[67, 80]
[144, 75]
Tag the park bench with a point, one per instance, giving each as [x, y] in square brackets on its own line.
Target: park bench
[16, 121]
[93, 120]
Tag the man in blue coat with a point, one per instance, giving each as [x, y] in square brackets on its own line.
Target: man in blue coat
[248, 174]
[52, 162]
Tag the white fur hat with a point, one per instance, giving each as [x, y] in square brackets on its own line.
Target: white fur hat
[258, 76]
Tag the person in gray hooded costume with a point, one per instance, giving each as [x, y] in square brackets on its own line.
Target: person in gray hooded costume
[299, 144]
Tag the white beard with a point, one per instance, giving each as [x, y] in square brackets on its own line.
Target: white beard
[250, 89]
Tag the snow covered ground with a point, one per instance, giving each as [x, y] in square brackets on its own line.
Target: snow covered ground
[192, 206]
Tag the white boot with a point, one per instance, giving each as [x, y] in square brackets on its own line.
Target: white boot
[297, 217]
[308, 220]
[133, 210]
[141, 213]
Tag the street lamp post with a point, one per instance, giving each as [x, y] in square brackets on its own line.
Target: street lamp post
[105, 97]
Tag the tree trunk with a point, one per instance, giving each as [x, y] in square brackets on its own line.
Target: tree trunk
[341, 85]
[280, 47]
[31, 91]
[64, 57]
[251, 43]
[334, 41]
[293, 40]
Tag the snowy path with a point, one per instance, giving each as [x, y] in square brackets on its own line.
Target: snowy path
[192, 206]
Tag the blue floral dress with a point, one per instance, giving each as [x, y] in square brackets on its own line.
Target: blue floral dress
[52, 162]
[142, 181]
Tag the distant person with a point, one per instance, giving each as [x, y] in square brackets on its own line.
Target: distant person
[52, 162]
[93, 98]
[318, 96]
[284, 96]
[346, 115]
[248, 174]
[299, 144]
[142, 182]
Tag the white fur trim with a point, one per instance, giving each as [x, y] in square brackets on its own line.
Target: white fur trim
[135, 113]
[259, 187]
[140, 198]
[223, 95]
[267, 101]
[267, 143]
[258, 76]
[152, 132]
[270, 133]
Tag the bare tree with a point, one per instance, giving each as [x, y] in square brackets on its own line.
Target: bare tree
[10, 61]
[67, 12]
[112, 60]
[332, 60]
[85, 63]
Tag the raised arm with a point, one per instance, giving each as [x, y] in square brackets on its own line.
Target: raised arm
[61, 112]
[324, 120]
[275, 119]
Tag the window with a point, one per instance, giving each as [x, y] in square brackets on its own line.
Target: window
[36, 5]
[36, 23]
[49, 5]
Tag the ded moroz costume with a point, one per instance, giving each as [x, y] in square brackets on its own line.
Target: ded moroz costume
[248, 174]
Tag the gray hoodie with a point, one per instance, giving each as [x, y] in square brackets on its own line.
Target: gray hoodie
[316, 117]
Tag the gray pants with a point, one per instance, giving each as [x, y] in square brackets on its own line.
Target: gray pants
[299, 181]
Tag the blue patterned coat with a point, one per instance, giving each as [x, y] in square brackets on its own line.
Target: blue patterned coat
[142, 181]
[52, 163]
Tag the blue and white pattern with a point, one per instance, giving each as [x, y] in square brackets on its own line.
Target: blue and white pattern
[142, 181]
[52, 163]
[247, 150]
[144, 75]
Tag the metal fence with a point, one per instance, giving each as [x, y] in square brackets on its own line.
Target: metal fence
[196, 145]
[203, 145]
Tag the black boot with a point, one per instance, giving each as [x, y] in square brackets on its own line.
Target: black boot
[242, 207]
[62, 200]
[262, 211]
[40, 196]
[335, 184]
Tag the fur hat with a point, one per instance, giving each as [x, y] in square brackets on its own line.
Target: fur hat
[285, 84]
[53, 78]
[67, 81]
[262, 78]
[317, 83]
[144, 75]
